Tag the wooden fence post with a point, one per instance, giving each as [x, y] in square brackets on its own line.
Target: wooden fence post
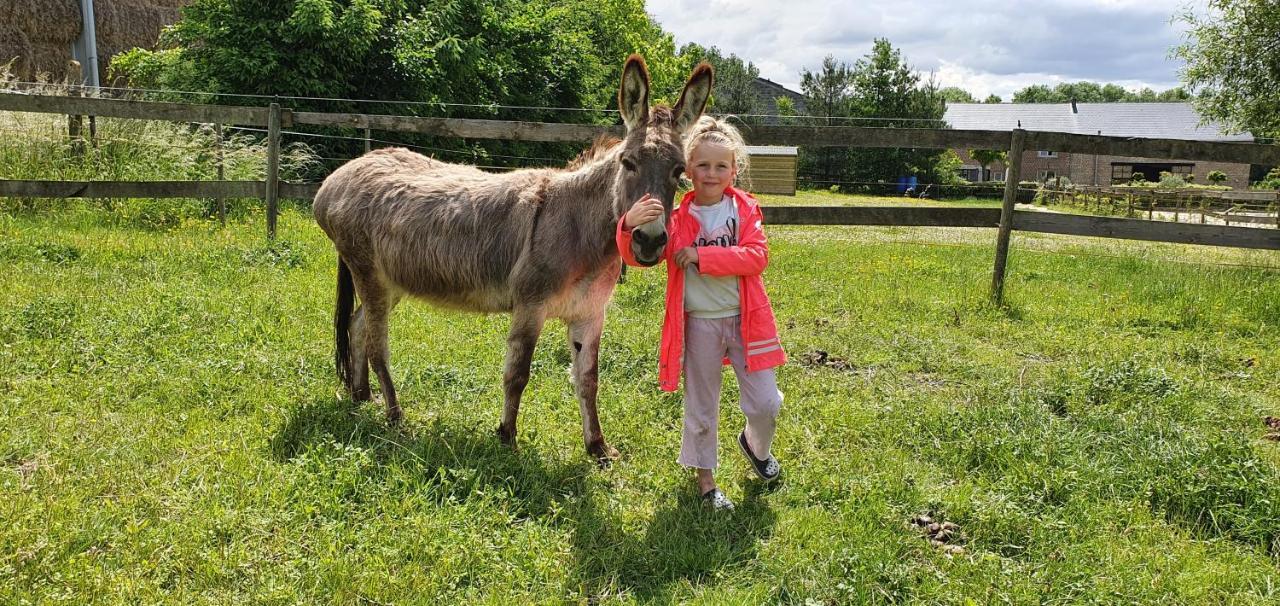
[273, 169]
[1013, 173]
[367, 142]
[75, 123]
[217, 155]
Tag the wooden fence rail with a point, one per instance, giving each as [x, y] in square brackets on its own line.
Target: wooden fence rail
[1006, 219]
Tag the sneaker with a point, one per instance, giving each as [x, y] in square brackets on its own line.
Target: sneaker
[767, 469]
[716, 500]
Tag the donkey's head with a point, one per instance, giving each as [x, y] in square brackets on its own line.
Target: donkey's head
[651, 156]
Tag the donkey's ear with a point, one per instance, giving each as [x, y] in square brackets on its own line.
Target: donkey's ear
[633, 94]
[693, 99]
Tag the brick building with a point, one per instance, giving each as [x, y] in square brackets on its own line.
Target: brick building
[1153, 120]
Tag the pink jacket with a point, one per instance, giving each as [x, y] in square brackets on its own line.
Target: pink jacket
[746, 260]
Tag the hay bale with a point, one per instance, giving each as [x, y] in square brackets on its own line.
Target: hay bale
[128, 24]
[174, 4]
[53, 20]
[15, 47]
[50, 59]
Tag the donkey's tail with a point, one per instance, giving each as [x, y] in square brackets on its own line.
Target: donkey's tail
[342, 324]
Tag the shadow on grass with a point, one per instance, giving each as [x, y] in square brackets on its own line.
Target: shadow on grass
[682, 543]
[455, 462]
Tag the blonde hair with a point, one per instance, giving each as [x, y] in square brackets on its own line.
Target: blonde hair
[719, 131]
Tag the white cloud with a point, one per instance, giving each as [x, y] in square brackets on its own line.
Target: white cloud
[983, 46]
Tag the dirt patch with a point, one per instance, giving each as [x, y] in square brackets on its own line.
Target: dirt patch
[1273, 426]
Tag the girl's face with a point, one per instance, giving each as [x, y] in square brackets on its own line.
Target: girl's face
[712, 168]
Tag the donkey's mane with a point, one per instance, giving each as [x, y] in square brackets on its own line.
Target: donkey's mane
[659, 114]
[599, 147]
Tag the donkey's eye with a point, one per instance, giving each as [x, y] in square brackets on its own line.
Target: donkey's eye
[628, 164]
[679, 170]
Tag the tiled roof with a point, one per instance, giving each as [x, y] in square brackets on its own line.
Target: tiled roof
[1152, 120]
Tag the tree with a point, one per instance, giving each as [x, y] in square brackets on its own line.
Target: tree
[1092, 92]
[468, 58]
[880, 90]
[993, 98]
[827, 97]
[735, 91]
[885, 87]
[987, 157]
[1232, 56]
[786, 108]
[955, 94]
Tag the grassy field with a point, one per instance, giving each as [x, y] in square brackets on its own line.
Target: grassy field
[172, 433]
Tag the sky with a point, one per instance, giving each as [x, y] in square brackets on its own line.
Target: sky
[982, 46]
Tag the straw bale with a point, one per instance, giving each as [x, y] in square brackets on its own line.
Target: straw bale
[53, 20]
[168, 3]
[15, 47]
[18, 14]
[125, 25]
[50, 59]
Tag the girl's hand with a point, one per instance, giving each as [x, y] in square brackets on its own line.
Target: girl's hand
[645, 209]
[687, 256]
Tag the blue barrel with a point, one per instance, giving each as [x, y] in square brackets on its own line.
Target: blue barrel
[902, 184]
[911, 183]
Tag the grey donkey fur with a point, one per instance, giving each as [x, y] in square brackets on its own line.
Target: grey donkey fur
[537, 244]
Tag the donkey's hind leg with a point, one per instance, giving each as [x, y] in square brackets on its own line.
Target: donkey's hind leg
[376, 303]
[526, 326]
[360, 390]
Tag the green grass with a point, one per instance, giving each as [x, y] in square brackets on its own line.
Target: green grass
[172, 433]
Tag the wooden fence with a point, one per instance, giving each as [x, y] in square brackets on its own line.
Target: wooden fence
[1006, 219]
[1192, 204]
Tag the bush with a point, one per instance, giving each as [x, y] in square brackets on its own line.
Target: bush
[1171, 181]
[1272, 181]
[1216, 176]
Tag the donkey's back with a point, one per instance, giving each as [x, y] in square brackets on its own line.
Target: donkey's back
[445, 232]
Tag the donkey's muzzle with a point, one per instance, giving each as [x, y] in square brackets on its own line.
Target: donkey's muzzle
[647, 249]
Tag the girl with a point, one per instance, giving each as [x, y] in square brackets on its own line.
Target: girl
[717, 310]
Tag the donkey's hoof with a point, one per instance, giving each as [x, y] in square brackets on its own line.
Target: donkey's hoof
[362, 395]
[604, 454]
[506, 436]
[394, 415]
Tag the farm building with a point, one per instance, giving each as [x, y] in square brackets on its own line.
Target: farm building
[1153, 120]
[37, 35]
[773, 169]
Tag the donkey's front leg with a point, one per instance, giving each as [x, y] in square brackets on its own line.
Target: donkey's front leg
[526, 325]
[584, 348]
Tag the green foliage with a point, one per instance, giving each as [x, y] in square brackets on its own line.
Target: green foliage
[882, 86]
[993, 98]
[955, 94]
[987, 157]
[735, 78]
[478, 53]
[1233, 63]
[1171, 180]
[1092, 92]
[786, 109]
[1272, 180]
[1216, 177]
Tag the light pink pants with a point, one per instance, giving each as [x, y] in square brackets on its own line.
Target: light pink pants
[706, 343]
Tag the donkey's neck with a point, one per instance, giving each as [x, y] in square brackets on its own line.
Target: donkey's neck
[586, 198]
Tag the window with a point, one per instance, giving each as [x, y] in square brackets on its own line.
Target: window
[1121, 173]
[1046, 154]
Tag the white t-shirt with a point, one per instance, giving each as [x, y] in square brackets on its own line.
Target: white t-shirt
[713, 296]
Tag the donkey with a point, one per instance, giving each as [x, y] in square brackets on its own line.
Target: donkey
[537, 244]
